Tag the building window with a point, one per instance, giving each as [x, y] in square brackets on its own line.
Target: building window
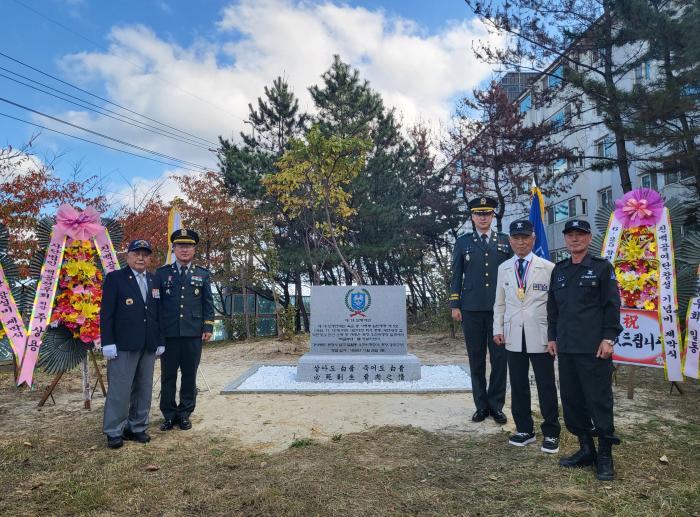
[648, 181]
[560, 254]
[605, 147]
[564, 210]
[557, 77]
[559, 166]
[526, 103]
[576, 158]
[642, 73]
[559, 119]
[605, 197]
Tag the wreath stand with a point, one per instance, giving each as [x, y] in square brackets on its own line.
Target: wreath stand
[88, 391]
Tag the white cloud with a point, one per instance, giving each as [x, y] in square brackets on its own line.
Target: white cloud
[194, 89]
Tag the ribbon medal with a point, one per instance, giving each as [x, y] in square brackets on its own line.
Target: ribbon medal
[522, 282]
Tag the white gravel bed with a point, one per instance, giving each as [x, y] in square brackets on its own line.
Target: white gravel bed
[438, 378]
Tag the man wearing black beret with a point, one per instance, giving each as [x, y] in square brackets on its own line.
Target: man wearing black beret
[475, 262]
[187, 321]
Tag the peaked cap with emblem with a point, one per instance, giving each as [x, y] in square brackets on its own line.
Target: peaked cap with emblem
[184, 236]
[140, 244]
[577, 224]
[482, 204]
[521, 227]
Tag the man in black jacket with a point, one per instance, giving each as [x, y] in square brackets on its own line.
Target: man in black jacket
[130, 333]
[187, 320]
[583, 316]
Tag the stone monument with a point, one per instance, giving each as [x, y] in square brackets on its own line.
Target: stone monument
[358, 334]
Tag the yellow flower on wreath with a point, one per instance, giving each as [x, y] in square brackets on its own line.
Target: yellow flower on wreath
[74, 268]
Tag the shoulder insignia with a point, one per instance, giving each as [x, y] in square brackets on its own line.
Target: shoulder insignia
[201, 267]
[165, 266]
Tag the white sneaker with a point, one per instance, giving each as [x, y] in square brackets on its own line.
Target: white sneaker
[521, 439]
[550, 445]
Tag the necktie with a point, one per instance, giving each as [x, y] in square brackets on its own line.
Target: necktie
[141, 279]
[484, 238]
[521, 269]
[183, 272]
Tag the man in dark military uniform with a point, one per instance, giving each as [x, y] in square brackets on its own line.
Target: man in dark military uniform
[475, 262]
[187, 320]
[583, 317]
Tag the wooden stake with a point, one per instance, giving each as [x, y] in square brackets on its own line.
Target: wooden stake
[630, 381]
[99, 373]
[49, 389]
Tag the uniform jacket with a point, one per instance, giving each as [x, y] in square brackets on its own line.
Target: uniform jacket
[583, 305]
[475, 270]
[187, 306]
[511, 316]
[125, 320]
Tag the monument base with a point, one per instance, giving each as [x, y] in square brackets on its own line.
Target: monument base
[314, 367]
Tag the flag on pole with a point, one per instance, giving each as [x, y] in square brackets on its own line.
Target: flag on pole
[541, 248]
[174, 223]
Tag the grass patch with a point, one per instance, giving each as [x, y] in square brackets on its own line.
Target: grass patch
[301, 443]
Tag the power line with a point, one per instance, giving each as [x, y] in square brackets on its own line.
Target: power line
[98, 143]
[123, 142]
[100, 110]
[20, 62]
[98, 45]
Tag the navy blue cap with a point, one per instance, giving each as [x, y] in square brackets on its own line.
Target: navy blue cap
[140, 244]
[577, 224]
[521, 227]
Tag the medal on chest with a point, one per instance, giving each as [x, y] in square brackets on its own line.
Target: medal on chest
[521, 280]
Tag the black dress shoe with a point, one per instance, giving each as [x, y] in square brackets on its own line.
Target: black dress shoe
[185, 423]
[480, 415]
[141, 437]
[114, 442]
[167, 425]
[499, 416]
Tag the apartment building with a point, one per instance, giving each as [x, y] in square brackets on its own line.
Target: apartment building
[583, 132]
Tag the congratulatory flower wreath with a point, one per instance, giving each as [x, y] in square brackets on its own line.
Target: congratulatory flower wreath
[77, 307]
[636, 263]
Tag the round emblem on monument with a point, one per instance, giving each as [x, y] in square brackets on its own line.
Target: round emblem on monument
[358, 301]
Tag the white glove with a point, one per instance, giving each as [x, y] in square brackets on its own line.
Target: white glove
[109, 351]
[160, 350]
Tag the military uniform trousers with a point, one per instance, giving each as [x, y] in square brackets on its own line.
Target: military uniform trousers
[543, 366]
[183, 353]
[130, 387]
[478, 334]
[586, 394]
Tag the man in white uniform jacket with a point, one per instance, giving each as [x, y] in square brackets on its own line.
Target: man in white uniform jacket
[520, 323]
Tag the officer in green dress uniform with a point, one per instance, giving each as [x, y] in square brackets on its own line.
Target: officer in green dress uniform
[475, 262]
[187, 320]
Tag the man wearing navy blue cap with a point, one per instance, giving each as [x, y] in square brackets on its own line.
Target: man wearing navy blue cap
[187, 321]
[130, 333]
[583, 315]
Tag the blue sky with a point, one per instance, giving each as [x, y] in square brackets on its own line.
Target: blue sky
[195, 65]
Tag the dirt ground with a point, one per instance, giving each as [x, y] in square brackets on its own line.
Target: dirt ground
[270, 422]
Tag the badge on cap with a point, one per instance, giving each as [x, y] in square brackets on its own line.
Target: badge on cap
[183, 232]
[519, 225]
[575, 223]
[483, 201]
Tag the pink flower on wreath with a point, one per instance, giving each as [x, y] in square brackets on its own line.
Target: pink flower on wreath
[640, 207]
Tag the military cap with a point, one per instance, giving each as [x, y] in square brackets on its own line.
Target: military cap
[521, 227]
[184, 236]
[482, 204]
[140, 244]
[577, 224]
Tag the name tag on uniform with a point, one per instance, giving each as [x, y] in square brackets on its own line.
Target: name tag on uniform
[155, 293]
[540, 287]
